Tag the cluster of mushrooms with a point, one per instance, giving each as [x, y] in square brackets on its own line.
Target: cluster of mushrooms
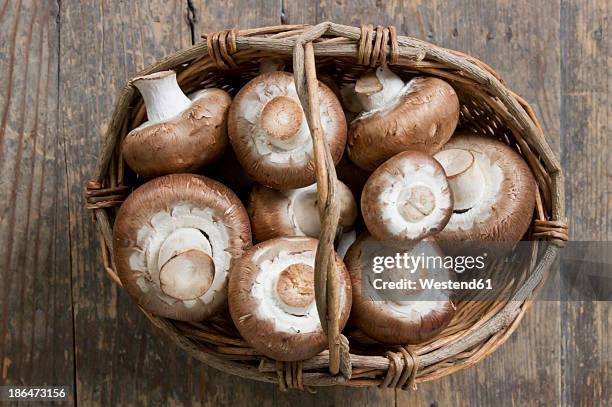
[188, 246]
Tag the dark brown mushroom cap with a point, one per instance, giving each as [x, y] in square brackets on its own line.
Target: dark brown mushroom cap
[406, 198]
[185, 143]
[505, 211]
[256, 141]
[269, 273]
[179, 206]
[294, 212]
[423, 119]
[425, 313]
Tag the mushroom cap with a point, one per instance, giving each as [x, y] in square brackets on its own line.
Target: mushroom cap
[504, 210]
[294, 212]
[269, 133]
[422, 118]
[406, 198]
[174, 241]
[194, 138]
[417, 315]
[271, 298]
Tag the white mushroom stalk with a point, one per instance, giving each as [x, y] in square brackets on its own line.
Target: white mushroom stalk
[349, 98]
[282, 123]
[186, 269]
[379, 90]
[475, 181]
[345, 242]
[465, 177]
[162, 95]
[304, 210]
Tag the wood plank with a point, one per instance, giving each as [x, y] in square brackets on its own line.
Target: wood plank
[508, 35]
[120, 358]
[35, 308]
[587, 161]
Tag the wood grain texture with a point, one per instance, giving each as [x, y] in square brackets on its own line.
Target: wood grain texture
[64, 322]
[120, 357]
[586, 355]
[36, 326]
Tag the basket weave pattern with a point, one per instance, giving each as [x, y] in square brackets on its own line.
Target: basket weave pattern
[228, 59]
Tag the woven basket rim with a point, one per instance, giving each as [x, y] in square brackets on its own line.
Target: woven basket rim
[334, 40]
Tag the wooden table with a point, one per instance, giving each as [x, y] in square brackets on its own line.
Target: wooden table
[64, 322]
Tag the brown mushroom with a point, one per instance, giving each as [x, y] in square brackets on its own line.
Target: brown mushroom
[404, 315]
[493, 187]
[420, 115]
[294, 212]
[174, 241]
[406, 198]
[182, 133]
[271, 298]
[270, 135]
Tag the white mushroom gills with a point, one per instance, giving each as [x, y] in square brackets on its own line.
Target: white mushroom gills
[415, 200]
[171, 252]
[162, 95]
[378, 89]
[465, 177]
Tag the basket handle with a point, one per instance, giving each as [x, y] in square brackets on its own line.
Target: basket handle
[327, 287]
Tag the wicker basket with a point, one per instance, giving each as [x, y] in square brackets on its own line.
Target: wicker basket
[228, 59]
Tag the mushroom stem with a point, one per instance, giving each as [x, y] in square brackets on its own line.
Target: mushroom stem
[186, 268]
[465, 177]
[162, 95]
[416, 202]
[281, 119]
[295, 288]
[188, 275]
[378, 89]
